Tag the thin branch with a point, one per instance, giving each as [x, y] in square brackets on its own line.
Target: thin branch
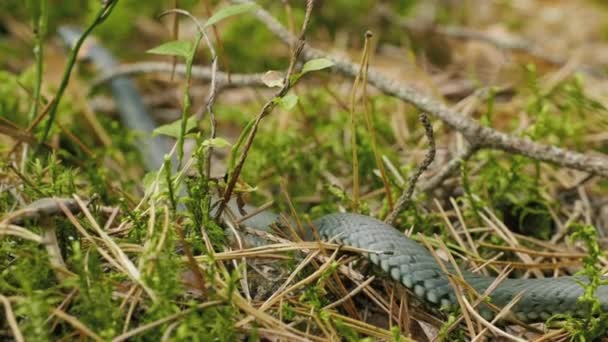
[405, 199]
[222, 52]
[175, 36]
[186, 103]
[198, 72]
[210, 97]
[102, 15]
[267, 109]
[453, 165]
[476, 134]
[49, 206]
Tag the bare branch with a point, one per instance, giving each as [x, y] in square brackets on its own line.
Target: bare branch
[43, 207]
[433, 182]
[209, 102]
[198, 72]
[406, 197]
[476, 134]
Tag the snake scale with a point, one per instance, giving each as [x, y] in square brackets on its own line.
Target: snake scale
[403, 259]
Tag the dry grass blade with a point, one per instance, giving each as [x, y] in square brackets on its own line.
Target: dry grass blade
[453, 232]
[255, 212]
[531, 266]
[74, 322]
[121, 261]
[503, 312]
[463, 224]
[489, 325]
[351, 294]
[320, 245]
[289, 279]
[556, 335]
[315, 275]
[273, 334]
[20, 232]
[454, 280]
[261, 317]
[118, 253]
[11, 320]
[504, 232]
[567, 255]
[148, 326]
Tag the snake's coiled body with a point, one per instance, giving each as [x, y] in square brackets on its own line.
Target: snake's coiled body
[403, 259]
[411, 264]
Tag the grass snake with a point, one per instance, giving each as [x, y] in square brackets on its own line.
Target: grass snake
[403, 259]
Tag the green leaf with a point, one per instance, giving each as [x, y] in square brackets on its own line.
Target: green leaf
[173, 129]
[182, 48]
[316, 64]
[288, 101]
[228, 12]
[216, 142]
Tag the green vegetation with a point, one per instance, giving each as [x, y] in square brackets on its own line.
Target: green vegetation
[590, 322]
[149, 260]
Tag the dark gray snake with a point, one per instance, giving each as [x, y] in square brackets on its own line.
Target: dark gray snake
[403, 259]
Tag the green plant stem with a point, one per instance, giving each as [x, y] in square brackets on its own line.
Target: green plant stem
[370, 125]
[169, 179]
[102, 15]
[40, 26]
[187, 103]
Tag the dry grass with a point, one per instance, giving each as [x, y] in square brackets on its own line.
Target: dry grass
[290, 289]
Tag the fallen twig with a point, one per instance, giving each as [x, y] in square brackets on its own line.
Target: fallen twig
[476, 134]
[198, 72]
[43, 207]
[405, 198]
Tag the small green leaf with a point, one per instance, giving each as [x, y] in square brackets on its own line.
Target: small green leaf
[228, 12]
[216, 142]
[173, 129]
[316, 64]
[182, 48]
[288, 101]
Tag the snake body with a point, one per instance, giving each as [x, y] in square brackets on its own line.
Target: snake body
[413, 265]
[405, 260]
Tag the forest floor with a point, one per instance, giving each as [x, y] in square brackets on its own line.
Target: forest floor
[476, 127]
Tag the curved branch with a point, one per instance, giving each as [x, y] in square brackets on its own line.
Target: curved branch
[476, 134]
[198, 72]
